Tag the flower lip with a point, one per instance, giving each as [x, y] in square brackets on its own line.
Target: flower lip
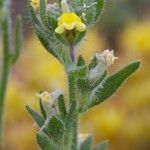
[69, 21]
[35, 4]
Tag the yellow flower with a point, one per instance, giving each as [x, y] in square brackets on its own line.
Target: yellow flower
[35, 4]
[69, 21]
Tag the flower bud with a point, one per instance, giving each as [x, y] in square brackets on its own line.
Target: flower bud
[106, 58]
[49, 97]
[65, 6]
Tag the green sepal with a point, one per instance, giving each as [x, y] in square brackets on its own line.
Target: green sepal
[44, 142]
[61, 105]
[112, 83]
[79, 37]
[36, 116]
[55, 128]
[42, 109]
[81, 61]
[102, 146]
[93, 63]
[86, 144]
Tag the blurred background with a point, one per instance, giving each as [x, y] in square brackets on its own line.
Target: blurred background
[124, 119]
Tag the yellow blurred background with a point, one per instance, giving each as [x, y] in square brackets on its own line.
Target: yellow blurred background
[124, 119]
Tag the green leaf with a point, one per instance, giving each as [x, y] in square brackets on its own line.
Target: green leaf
[102, 146]
[112, 83]
[93, 63]
[18, 39]
[86, 144]
[56, 46]
[98, 81]
[93, 10]
[43, 13]
[44, 142]
[55, 128]
[99, 8]
[36, 116]
[81, 61]
[61, 105]
[42, 109]
[76, 5]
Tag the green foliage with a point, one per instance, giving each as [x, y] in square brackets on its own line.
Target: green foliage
[42, 109]
[55, 44]
[55, 128]
[86, 144]
[102, 146]
[44, 142]
[36, 116]
[59, 121]
[61, 104]
[18, 40]
[112, 83]
[9, 58]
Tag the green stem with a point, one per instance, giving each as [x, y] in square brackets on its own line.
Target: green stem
[5, 71]
[2, 96]
[72, 125]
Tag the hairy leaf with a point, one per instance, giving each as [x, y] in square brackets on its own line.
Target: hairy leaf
[61, 104]
[55, 128]
[112, 83]
[102, 146]
[44, 142]
[86, 144]
[36, 116]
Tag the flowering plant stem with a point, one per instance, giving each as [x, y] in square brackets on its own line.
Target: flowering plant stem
[60, 28]
[9, 57]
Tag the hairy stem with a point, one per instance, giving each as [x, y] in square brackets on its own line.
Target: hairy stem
[73, 113]
[72, 53]
[5, 71]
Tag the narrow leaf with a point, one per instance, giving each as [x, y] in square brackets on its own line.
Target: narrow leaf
[102, 146]
[93, 63]
[81, 61]
[55, 128]
[112, 83]
[86, 144]
[18, 39]
[43, 13]
[44, 142]
[36, 116]
[61, 104]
